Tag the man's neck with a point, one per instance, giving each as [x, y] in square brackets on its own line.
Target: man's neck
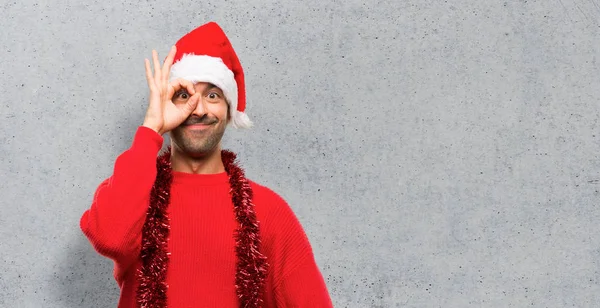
[208, 164]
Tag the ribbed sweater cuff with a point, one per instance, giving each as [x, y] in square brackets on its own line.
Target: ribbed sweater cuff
[146, 138]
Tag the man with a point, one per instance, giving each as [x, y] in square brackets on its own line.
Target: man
[186, 228]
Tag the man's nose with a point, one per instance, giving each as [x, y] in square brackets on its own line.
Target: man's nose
[201, 109]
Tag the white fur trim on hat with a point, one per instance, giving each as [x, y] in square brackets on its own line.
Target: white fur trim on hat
[204, 68]
[240, 120]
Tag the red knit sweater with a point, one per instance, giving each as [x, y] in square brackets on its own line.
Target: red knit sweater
[202, 267]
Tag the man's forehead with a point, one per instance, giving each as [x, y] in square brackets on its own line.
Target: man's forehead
[205, 85]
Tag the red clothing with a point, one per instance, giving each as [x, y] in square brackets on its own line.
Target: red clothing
[202, 268]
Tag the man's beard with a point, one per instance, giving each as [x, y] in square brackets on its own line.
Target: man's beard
[201, 143]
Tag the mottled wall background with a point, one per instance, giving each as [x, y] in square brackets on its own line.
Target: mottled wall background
[438, 153]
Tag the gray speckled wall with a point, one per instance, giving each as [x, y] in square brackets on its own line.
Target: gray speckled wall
[438, 153]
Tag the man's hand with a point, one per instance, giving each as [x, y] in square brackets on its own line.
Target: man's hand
[162, 115]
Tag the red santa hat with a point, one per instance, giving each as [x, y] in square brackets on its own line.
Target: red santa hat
[206, 55]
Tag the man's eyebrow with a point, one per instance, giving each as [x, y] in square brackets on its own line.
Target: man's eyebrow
[211, 86]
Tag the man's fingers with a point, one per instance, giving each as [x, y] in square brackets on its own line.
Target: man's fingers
[151, 84]
[191, 104]
[171, 91]
[182, 83]
[176, 84]
[189, 86]
[157, 73]
[168, 62]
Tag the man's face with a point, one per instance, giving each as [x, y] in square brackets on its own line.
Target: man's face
[201, 133]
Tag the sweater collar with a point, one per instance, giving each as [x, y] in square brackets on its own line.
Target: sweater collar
[185, 178]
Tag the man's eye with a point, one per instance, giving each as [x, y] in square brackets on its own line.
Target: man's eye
[182, 95]
[213, 95]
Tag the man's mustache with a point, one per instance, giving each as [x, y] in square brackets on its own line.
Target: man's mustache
[200, 120]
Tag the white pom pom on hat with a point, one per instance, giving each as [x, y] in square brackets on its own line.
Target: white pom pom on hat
[206, 55]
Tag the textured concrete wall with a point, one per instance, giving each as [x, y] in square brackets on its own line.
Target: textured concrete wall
[438, 153]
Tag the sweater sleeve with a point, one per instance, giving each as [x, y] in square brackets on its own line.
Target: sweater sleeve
[113, 224]
[297, 280]
[303, 287]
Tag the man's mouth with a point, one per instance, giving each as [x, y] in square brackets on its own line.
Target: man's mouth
[199, 126]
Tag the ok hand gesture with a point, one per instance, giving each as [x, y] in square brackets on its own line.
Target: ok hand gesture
[162, 115]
